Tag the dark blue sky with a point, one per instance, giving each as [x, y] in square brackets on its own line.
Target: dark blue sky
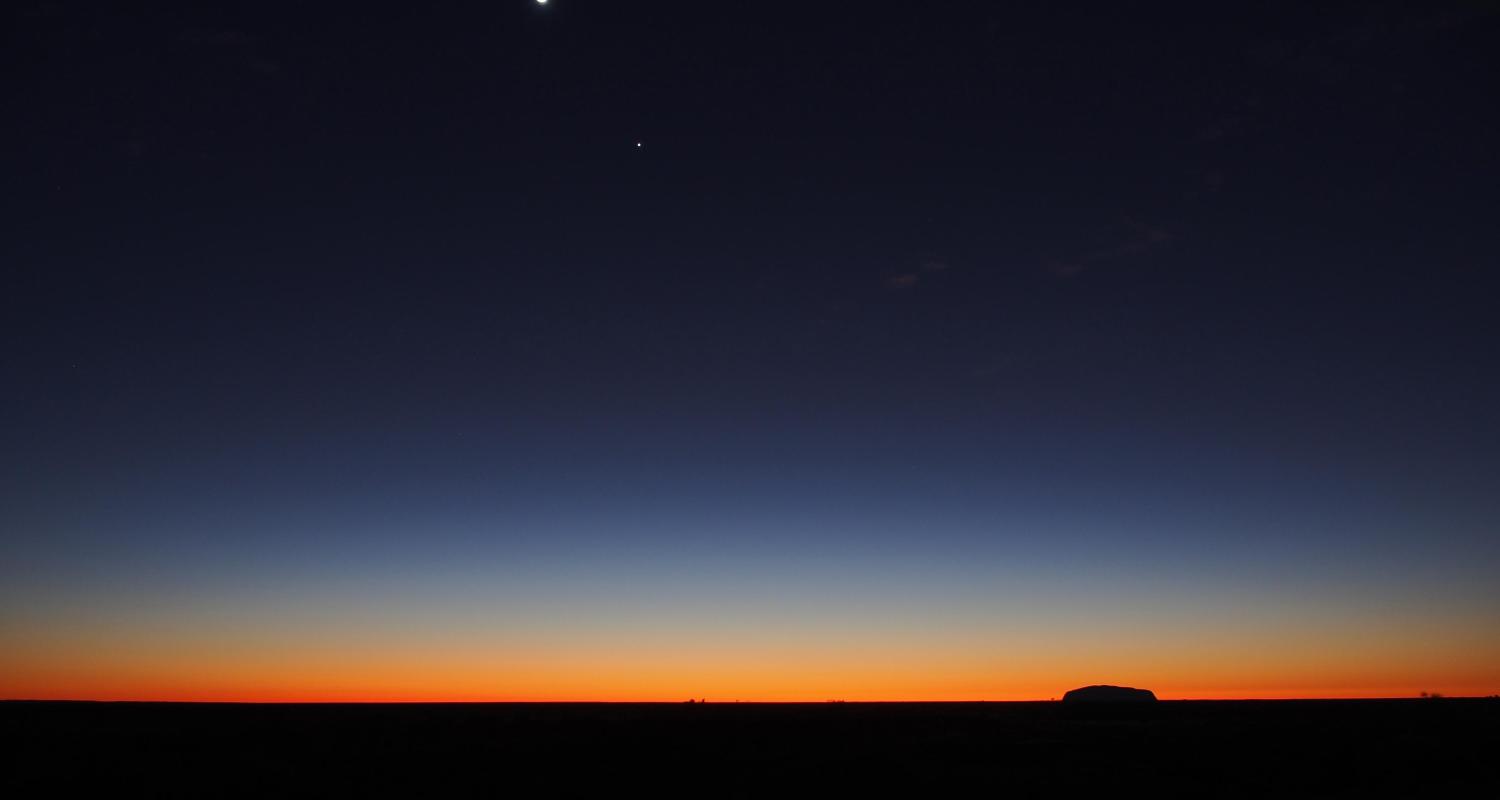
[1087, 290]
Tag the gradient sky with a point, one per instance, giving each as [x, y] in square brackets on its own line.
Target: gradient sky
[651, 350]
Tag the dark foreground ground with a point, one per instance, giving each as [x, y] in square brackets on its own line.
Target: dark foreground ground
[1410, 748]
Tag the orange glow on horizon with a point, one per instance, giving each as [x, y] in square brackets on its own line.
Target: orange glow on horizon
[658, 664]
[401, 681]
[440, 698]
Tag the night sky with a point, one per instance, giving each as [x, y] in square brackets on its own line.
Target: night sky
[619, 350]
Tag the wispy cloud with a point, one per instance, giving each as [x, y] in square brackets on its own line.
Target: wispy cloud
[1138, 238]
[927, 268]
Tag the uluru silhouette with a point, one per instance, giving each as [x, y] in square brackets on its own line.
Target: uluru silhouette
[1109, 694]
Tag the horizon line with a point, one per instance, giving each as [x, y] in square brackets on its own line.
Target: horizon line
[704, 701]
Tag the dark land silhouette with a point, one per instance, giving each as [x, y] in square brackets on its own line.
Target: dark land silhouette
[1353, 748]
[1109, 694]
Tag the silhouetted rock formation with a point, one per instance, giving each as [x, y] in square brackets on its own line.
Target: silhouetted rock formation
[1109, 694]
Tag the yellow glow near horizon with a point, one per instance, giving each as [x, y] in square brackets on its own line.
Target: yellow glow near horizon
[349, 671]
